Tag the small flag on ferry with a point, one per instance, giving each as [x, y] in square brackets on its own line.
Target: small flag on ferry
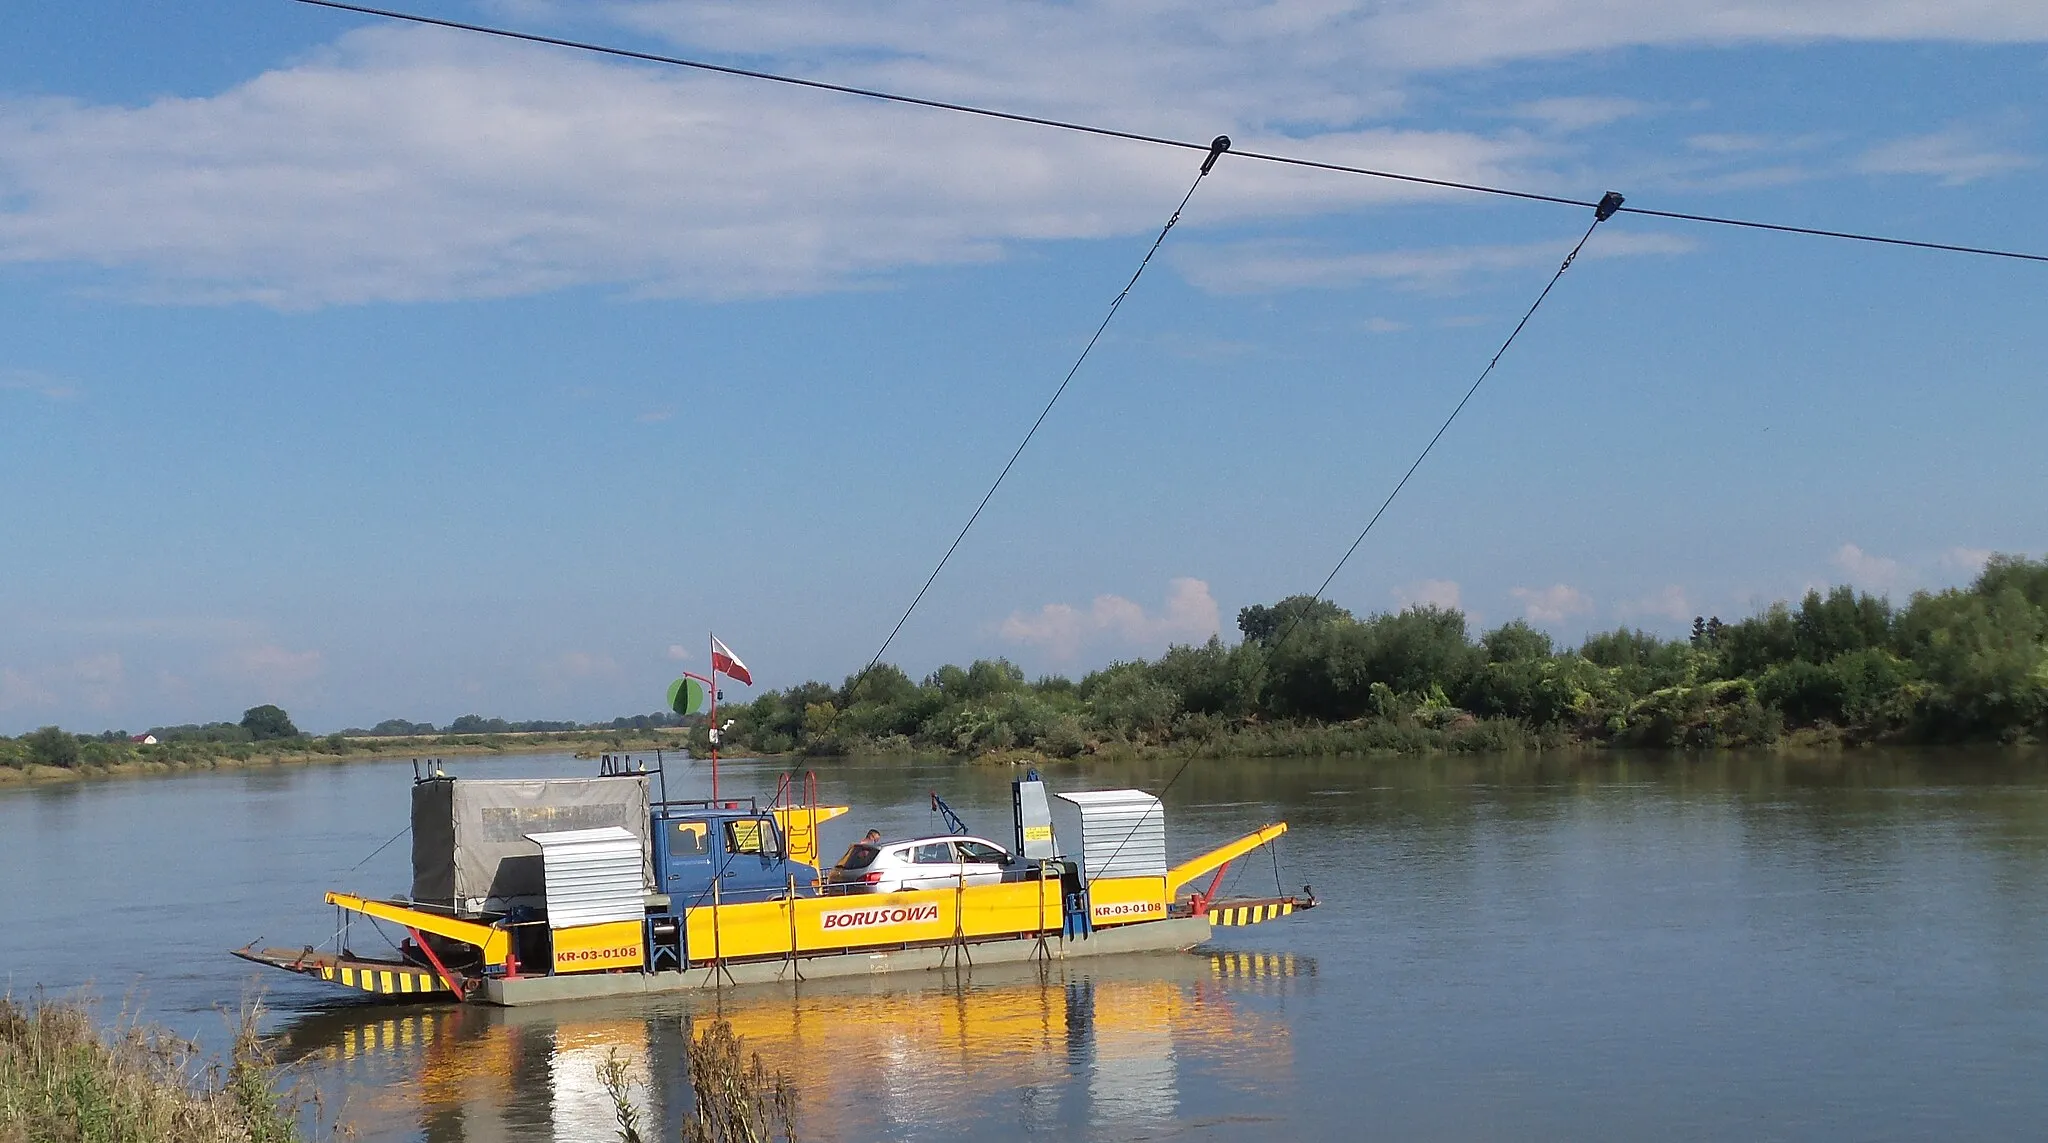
[723, 660]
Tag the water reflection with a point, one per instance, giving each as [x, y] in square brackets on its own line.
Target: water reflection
[1102, 1051]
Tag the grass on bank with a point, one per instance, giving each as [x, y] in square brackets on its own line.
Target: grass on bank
[64, 1079]
[736, 1099]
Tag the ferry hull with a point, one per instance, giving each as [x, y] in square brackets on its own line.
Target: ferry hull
[1172, 935]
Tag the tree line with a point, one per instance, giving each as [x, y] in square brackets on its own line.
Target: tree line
[1310, 677]
[270, 728]
[1962, 665]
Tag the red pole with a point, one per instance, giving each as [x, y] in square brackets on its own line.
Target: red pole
[448, 978]
[1201, 900]
[714, 717]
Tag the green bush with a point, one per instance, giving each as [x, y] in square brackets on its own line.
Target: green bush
[1807, 693]
[1125, 699]
[52, 746]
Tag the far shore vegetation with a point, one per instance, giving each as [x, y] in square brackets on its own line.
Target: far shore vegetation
[1310, 678]
[1966, 665]
[266, 736]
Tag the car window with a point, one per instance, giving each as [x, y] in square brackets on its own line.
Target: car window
[688, 839]
[977, 853]
[859, 857]
[934, 853]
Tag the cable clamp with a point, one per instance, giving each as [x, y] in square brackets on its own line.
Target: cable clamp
[1217, 146]
[1609, 203]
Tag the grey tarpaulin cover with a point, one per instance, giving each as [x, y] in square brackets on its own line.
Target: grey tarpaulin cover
[469, 846]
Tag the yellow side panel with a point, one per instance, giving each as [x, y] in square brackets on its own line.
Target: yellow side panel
[1122, 900]
[870, 920]
[589, 948]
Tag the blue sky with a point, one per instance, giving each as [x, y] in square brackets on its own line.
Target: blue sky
[382, 372]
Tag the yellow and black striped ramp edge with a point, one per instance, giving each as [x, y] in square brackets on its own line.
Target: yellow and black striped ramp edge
[383, 981]
[1253, 966]
[1237, 915]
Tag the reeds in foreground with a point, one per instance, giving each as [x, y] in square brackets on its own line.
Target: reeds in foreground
[737, 1099]
[65, 1080]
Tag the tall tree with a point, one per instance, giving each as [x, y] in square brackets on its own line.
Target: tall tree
[53, 746]
[1263, 625]
[268, 722]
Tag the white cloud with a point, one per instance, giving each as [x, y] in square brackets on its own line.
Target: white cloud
[1464, 33]
[277, 669]
[969, 50]
[586, 665]
[1553, 604]
[1670, 602]
[404, 164]
[1725, 143]
[679, 653]
[1966, 561]
[1384, 325]
[1189, 615]
[195, 628]
[23, 690]
[1440, 592]
[1578, 112]
[1879, 574]
[95, 682]
[655, 416]
[1253, 267]
[1955, 156]
[36, 384]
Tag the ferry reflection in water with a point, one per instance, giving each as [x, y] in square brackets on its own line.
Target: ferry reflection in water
[1111, 1050]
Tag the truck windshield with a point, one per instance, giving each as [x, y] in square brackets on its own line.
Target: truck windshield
[751, 835]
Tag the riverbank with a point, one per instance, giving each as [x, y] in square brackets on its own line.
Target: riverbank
[185, 758]
[63, 1079]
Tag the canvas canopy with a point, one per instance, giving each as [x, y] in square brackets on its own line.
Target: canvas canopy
[470, 850]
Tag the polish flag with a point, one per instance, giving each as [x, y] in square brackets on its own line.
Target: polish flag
[722, 659]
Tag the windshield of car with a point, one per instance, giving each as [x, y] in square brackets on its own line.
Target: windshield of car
[979, 853]
[859, 857]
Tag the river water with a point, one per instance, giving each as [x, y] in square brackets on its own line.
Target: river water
[1727, 947]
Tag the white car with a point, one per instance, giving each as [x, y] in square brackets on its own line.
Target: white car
[923, 863]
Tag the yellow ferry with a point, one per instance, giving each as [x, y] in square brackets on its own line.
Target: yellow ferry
[532, 890]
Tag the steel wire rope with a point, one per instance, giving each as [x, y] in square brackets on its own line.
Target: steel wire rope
[1601, 214]
[1140, 137]
[1606, 208]
[379, 849]
[1216, 149]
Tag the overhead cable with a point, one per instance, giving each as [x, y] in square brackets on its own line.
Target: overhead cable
[1216, 148]
[1609, 205]
[1156, 140]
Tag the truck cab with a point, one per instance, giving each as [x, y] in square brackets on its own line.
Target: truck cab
[737, 847]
